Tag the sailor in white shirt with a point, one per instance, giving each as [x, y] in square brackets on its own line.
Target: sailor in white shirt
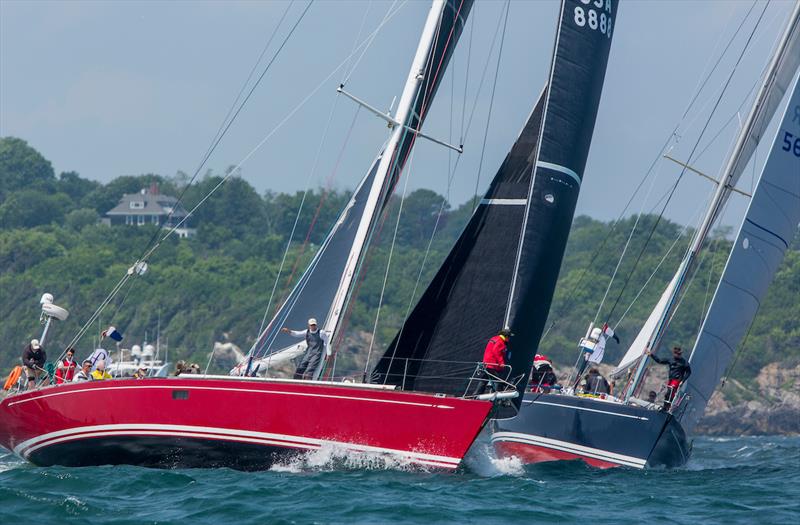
[317, 342]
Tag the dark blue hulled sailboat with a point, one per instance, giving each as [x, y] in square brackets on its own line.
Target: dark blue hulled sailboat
[629, 431]
[503, 269]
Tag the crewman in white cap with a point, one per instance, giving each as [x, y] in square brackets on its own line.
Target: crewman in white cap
[316, 343]
[33, 360]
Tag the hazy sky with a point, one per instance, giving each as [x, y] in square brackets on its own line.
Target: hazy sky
[115, 88]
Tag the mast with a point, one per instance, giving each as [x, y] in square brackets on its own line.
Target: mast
[764, 235]
[423, 78]
[779, 74]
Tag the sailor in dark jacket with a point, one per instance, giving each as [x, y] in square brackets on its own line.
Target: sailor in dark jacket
[596, 383]
[33, 360]
[679, 371]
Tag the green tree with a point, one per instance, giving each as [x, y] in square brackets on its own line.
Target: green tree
[21, 166]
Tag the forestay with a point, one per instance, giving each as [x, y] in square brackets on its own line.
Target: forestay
[325, 287]
[313, 294]
[768, 227]
[779, 74]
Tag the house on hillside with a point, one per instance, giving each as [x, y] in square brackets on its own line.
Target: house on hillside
[148, 206]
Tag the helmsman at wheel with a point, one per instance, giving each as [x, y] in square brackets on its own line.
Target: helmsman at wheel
[317, 342]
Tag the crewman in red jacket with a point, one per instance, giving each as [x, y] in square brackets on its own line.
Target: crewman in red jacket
[495, 363]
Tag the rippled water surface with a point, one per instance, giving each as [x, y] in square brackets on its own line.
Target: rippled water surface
[735, 480]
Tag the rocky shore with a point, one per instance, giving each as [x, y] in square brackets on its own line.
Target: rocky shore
[771, 405]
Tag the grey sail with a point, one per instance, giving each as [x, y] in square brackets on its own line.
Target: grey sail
[768, 227]
[313, 294]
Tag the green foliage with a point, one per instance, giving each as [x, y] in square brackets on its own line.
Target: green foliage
[215, 286]
[21, 166]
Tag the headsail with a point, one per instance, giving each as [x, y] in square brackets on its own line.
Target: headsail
[313, 294]
[768, 227]
[325, 287]
[779, 74]
[466, 300]
[442, 30]
[482, 285]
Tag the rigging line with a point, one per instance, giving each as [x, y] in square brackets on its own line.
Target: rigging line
[426, 90]
[451, 176]
[389, 14]
[681, 233]
[491, 106]
[250, 75]
[466, 75]
[277, 127]
[625, 248]
[358, 36]
[230, 122]
[701, 85]
[691, 156]
[323, 197]
[314, 167]
[149, 249]
[389, 263]
[297, 216]
[763, 71]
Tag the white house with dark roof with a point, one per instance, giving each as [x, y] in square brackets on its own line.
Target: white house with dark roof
[148, 206]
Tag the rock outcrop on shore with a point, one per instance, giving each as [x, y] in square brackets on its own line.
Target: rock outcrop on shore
[771, 405]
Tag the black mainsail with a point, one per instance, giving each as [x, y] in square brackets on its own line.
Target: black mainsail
[504, 267]
[430, 351]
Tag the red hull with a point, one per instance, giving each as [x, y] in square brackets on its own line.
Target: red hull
[232, 422]
[530, 454]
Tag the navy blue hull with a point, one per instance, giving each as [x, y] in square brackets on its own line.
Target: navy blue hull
[551, 427]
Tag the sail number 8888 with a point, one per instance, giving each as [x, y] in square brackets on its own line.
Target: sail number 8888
[594, 19]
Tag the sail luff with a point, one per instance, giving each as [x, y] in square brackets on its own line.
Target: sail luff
[414, 101]
[763, 238]
[576, 82]
[783, 64]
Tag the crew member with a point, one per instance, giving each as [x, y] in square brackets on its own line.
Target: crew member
[594, 347]
[495, 363]
[596, 383]
[66, 368]
[543, 378]
[317, 342]
[99, 372]
[679, 371]
[33, 360]
[85, 373]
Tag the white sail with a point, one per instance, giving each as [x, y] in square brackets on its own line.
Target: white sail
[642, 341]
[768, 227]
[778, 77]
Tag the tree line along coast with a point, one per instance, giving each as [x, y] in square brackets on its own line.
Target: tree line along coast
[214, 286]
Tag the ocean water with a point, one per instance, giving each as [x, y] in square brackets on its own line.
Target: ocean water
[751, 480]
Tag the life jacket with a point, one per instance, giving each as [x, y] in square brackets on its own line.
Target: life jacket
[13, 377]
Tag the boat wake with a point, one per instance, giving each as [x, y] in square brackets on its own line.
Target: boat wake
[481, 460]
[332, 457]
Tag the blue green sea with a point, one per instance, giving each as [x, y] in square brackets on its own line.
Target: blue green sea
[751, 480]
